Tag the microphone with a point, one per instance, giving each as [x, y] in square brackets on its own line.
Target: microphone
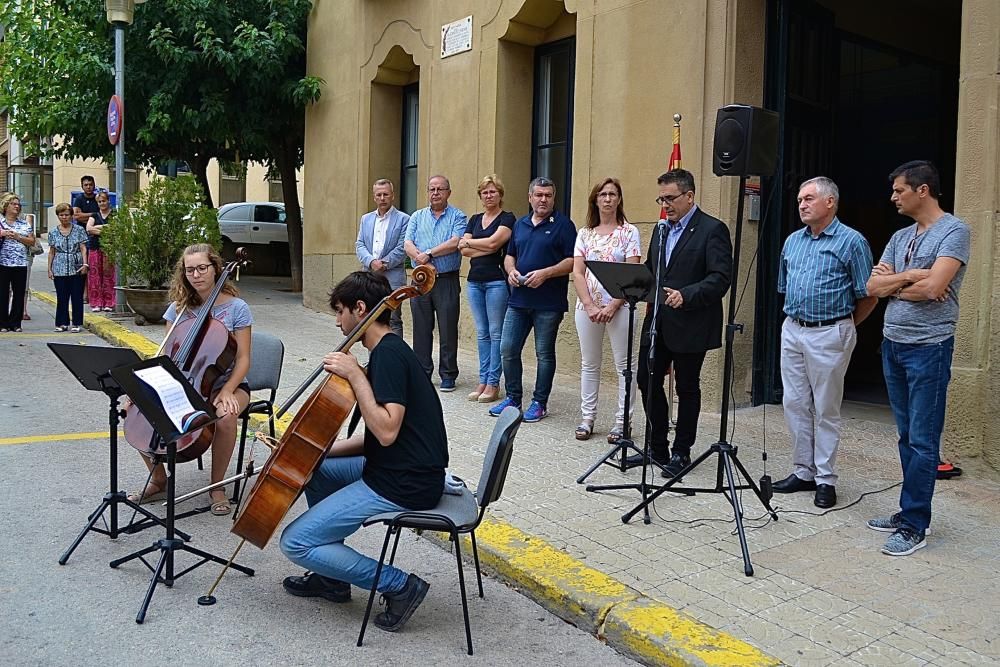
[662, 224]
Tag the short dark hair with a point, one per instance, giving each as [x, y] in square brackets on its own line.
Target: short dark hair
[87, 178]
[682, 177]
[919, 172]
[364, 286]
[540, 182]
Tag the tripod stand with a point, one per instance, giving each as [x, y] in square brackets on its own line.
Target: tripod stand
[632, 282]
[169, 428]
[90, 367]
[727, 453]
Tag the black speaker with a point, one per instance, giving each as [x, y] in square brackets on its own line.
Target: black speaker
[746, 141]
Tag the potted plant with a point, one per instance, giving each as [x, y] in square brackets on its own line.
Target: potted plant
[147, 236]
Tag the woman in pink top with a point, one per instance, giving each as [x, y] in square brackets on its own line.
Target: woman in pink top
[608, 237]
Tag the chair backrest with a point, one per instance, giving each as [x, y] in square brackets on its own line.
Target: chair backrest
[498, 455]
[266, 355]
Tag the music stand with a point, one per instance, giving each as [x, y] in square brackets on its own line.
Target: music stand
[91, 366]
[633, 283]
[167, 433]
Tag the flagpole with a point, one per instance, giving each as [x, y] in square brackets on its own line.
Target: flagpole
[675, 153]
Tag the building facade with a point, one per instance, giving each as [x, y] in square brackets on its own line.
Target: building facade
[578, 90]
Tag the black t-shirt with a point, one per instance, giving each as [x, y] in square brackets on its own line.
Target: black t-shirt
[94, 241]
[86, 205]
[410, 471]
[488, 267]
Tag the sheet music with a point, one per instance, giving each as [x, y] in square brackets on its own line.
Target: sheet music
[172, 396]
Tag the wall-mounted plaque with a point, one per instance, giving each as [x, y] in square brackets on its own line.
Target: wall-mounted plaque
[456, 37]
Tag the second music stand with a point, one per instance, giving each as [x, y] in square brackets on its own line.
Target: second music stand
[167, 433]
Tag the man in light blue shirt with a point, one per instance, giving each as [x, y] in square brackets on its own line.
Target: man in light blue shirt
[432, 238]
[822, 275]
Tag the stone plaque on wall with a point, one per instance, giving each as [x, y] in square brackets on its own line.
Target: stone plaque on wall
[456, 37]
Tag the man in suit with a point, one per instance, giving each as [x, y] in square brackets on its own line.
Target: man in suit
[695, 273]
[380, 242]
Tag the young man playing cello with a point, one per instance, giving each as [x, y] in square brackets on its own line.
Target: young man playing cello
[398, 462]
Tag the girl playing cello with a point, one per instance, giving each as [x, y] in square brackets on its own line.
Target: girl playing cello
[194, 280]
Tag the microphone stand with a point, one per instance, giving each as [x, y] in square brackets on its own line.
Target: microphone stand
[728, 468]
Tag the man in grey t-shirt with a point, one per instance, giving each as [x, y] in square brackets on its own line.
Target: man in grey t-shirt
[921, 272]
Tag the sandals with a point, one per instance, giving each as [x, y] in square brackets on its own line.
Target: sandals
[221, 508]
[615, 435]
[584, 430]
[152, 493]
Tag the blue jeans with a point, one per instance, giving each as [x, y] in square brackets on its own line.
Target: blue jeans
[517, 324]
[917, 376]
[339, 501]
[489, 304]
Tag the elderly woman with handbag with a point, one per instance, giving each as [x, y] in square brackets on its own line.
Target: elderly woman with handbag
[16, 238]
[68, 267]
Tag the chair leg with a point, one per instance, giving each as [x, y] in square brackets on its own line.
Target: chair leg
[461, 586]
[392, 558]
[371, 594]
[475, 557]
[237, 486]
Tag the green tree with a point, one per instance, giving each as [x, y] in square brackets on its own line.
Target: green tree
[204, 79]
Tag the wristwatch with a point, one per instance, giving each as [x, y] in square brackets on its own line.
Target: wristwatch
[429, 254]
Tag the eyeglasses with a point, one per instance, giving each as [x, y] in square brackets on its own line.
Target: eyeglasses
[910, 248]
[434, 190]
[201, 268]
[669, 199]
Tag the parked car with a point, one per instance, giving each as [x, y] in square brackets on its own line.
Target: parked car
[260, 227]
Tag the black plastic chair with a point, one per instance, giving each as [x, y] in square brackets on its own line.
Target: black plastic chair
[456, 514]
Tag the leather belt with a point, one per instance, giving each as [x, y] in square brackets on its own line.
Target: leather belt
[818, 323]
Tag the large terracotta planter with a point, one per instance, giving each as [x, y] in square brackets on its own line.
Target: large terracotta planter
[147, 304]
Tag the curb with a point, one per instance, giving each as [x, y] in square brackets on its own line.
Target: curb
[635, 625]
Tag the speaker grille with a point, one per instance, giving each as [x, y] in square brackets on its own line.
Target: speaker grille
[730, 139]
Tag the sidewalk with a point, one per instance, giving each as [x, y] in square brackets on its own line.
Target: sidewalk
[822, 593]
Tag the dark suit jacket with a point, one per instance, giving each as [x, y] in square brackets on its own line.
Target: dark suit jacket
[700, 267]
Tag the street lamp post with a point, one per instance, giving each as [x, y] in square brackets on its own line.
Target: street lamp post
[120, 14]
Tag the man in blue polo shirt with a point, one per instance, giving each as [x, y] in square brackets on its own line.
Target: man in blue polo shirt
[538, 263]
[432, 236]
[822, 274]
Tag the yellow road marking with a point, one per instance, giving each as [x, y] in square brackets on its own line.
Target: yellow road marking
[26, 439]
[53, 335]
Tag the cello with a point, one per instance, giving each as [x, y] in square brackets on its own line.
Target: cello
[313, 430]
[203, 349]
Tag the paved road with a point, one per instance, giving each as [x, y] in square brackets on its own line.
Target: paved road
[83, 613]
[822, 593]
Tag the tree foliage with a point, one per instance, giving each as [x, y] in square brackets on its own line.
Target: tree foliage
[148, 234]
[204, 79]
